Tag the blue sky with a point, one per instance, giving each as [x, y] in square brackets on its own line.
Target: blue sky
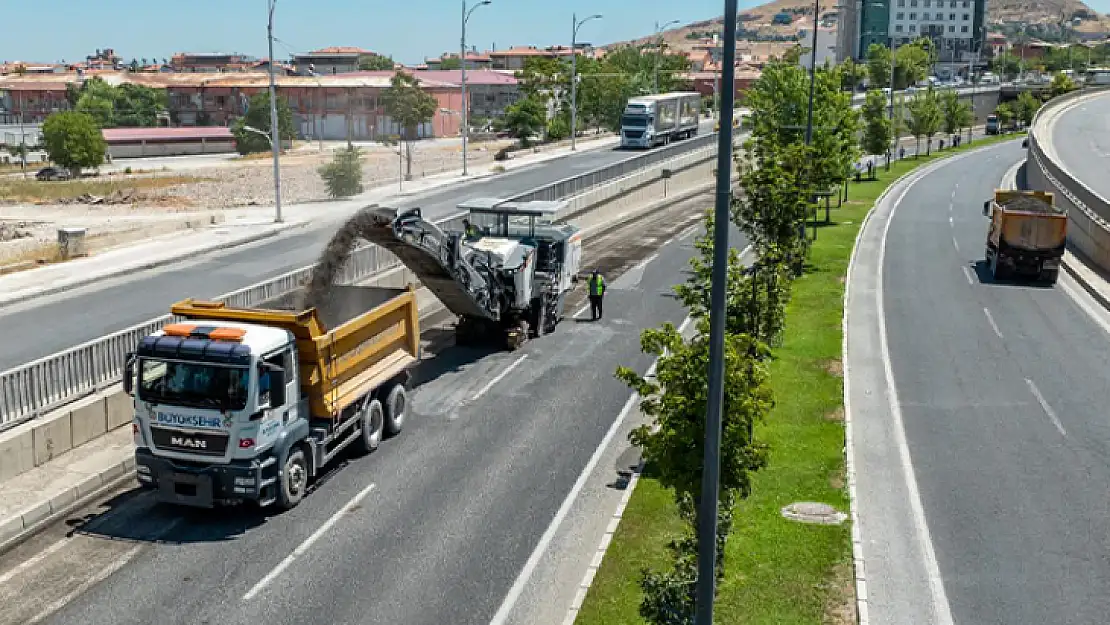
[407, 30]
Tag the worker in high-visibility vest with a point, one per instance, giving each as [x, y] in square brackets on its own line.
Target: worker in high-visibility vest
[596, 287]
[470, 230]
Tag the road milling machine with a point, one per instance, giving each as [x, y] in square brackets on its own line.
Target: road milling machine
[506, 276]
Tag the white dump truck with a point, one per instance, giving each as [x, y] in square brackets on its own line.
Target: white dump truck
[654, 120]
[237, 404]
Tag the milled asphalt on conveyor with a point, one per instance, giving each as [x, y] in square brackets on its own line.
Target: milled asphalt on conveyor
[1018, 512]
[461, 497]
[43, 327]
[1081, 139]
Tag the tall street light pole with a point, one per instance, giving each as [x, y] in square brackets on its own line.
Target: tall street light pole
[812, 72]
[275, 138]
[659, 50]
[464, 116]
[711, 469]
[575, 25]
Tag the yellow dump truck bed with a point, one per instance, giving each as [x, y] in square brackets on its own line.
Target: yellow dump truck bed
[374, 335]
[1029, 220]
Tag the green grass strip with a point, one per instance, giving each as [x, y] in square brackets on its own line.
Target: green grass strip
[779, 571]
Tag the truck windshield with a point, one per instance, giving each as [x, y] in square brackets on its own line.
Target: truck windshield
[192, 384]
[634, 121]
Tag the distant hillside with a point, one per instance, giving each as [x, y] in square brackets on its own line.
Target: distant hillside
[1043, 18]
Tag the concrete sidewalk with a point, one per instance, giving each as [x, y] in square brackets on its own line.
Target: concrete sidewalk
[241, 227]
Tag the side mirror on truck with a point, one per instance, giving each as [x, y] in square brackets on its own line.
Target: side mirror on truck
[986, 208]
[275, 375]
[129, 373]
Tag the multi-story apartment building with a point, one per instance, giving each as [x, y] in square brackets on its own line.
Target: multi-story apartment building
[956, 27]
[211, 62]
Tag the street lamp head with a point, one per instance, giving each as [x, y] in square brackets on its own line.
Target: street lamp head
[485, 2]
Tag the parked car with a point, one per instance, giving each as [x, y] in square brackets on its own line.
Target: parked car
[52, 173]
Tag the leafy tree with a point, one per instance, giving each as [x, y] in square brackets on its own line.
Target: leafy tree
[878, 65]
[852, 74]
[1005, 114]
[525, 119]
[956, 113]
[1026, 107]
[73, 140]
[1061, 84]
[543, 78]
[258, 117]
[877, 129]
[409, 106]
[772, 208]
[375, 62]
[912, 63]
[343, 175]
[450, 62]
[925, 117]
[1006, 65]
[99, 108]
[558, 128]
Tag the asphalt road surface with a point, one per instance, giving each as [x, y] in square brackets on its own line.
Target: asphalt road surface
[1081, 139]
[1003, 395]
[449, 513]
[47, 325]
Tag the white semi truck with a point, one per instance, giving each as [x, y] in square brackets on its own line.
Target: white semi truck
[654, 120]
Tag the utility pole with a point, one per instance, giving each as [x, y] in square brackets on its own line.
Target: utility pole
[275, 135]
[22, 139]
[711, 468]
[575, 25]
[659, 50]
[464, 116]
[812, 72]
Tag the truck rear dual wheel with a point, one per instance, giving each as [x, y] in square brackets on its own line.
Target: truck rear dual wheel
[373, 427]
[396, 405]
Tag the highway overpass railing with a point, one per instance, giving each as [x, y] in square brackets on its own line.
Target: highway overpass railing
[1088, 212]
[38, 387]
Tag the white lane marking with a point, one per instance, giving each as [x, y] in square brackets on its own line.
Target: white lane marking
[35, 559]
[303, 547]
[932, 568]
[967, 273]
[507, 605]
[101, 575]
[1044, 406]
[956, 244]
[950, 222]
[500, 376]
[93, 580]
[687, 233]
[990, 319]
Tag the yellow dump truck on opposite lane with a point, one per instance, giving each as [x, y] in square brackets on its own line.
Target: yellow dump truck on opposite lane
[1027, 235]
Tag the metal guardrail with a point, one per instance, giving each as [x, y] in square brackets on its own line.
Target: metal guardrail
[1088, 212]
[37, 387]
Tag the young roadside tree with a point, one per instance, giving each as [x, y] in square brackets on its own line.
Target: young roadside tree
[878, 65]
[409, 106]
[375, 63]
[258, 118]
[1005, 114]
[343, 175]
[1026, 108]
[877, 131]
[676, 401]
[525, 119]
[925, 118]
[852, 74]
[1061, 84]
[73, 140]
[956, 114]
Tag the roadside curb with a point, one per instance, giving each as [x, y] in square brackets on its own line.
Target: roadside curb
[18, 529]
[1098, 296]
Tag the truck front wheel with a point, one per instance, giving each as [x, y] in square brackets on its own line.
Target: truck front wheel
[294, 480]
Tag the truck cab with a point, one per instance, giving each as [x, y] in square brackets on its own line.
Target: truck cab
[993, 126]
[219, 391]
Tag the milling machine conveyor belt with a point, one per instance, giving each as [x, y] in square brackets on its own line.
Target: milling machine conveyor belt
[454, 273]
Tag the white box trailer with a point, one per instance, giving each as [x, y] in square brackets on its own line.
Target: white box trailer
[654, 120]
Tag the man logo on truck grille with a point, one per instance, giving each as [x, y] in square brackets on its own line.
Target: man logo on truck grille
[190, 443]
